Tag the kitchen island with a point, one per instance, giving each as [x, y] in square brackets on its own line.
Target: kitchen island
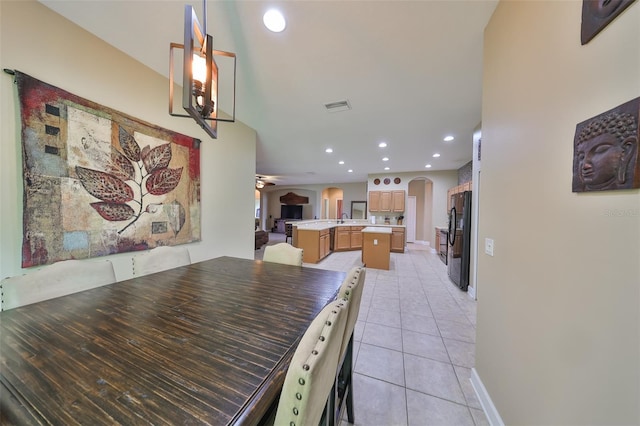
[376, 247]
[318, 238]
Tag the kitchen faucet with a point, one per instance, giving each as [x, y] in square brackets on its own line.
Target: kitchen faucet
[342, 217]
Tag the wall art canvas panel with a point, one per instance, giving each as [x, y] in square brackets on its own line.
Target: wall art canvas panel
[605, 150]
[99, 182]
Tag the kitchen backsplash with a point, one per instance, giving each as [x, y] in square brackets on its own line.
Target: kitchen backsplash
[381, 219]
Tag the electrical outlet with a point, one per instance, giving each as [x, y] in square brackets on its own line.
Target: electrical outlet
[488, 246]
[375, 242]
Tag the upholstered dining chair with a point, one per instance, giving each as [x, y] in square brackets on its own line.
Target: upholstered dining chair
[283, 253]
[160, 259]
[55, 280]
[351, 291]
[307, 396]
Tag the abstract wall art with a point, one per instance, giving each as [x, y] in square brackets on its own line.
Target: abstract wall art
[99, 182]
[605, 150]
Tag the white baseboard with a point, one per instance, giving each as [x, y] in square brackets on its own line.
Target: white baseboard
[471, 291]
[490, 410]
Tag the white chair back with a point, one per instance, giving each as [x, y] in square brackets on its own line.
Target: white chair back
[283, 253]
[351, 290]
[55, 280]
[309, 382]
[160, 259]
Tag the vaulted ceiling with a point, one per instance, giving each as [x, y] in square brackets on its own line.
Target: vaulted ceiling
[410, 70]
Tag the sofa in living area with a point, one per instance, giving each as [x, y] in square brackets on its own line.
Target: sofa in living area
[262, 238]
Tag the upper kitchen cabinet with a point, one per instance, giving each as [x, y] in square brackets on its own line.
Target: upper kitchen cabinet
[397, 201]
[387, 201]
[374, 201]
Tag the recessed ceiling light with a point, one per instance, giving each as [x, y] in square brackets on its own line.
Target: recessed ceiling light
[448, 138]
[274, 20]
[382, 144]
[386, 168]
[385, 159]
[428, 166]
[436, 155]
[350, 170]
[328, 150]
[340, 162]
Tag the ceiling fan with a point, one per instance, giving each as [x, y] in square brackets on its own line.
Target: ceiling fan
[261, 183]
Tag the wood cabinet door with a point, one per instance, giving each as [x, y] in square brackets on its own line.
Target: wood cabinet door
[374, 201]
[356, 237]
[325, 245]
[398, 201]
[343, 238]
[385, 201]
[397, 240]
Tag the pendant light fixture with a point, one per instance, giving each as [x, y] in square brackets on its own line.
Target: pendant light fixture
[200, 74]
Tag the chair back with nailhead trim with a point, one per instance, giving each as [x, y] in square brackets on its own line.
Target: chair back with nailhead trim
[310, 378]
[351, 290]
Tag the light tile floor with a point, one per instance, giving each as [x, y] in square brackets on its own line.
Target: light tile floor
[414, 342]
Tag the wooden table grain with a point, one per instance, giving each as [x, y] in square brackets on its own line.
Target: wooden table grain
[207, 343]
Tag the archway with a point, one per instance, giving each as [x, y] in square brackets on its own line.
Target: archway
[332, 203]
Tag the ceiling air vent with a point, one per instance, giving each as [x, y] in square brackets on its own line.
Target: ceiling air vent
[338, 106]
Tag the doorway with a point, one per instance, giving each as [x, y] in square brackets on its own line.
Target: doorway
[410, 217]
[421, 190]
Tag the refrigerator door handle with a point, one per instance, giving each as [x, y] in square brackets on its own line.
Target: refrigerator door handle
[452, 221]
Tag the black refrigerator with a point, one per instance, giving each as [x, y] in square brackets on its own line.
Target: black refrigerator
[459, 239]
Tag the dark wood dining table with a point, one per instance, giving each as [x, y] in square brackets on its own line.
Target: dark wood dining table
[208, 343]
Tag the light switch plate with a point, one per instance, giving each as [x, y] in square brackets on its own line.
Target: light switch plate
[375, 242]
[488, 246]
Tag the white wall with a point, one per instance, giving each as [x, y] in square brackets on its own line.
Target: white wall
[558, 327]
[39, 42]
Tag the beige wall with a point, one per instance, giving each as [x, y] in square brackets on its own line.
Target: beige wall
[558, 327]
[39, 42]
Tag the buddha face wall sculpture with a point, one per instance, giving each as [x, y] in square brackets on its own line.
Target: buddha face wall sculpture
[597, 14]
[605, 150]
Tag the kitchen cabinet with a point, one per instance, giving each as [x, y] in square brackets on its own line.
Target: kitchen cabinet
[316, 244]
[356, 237]
[374, 201]
[325, 243]
[441, 243]
[387, 201]
[348, 238]
[343, 238]
[397, 201]
[397, 239]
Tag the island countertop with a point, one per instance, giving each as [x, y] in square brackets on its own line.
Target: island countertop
[378, 229]
[319, 225]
